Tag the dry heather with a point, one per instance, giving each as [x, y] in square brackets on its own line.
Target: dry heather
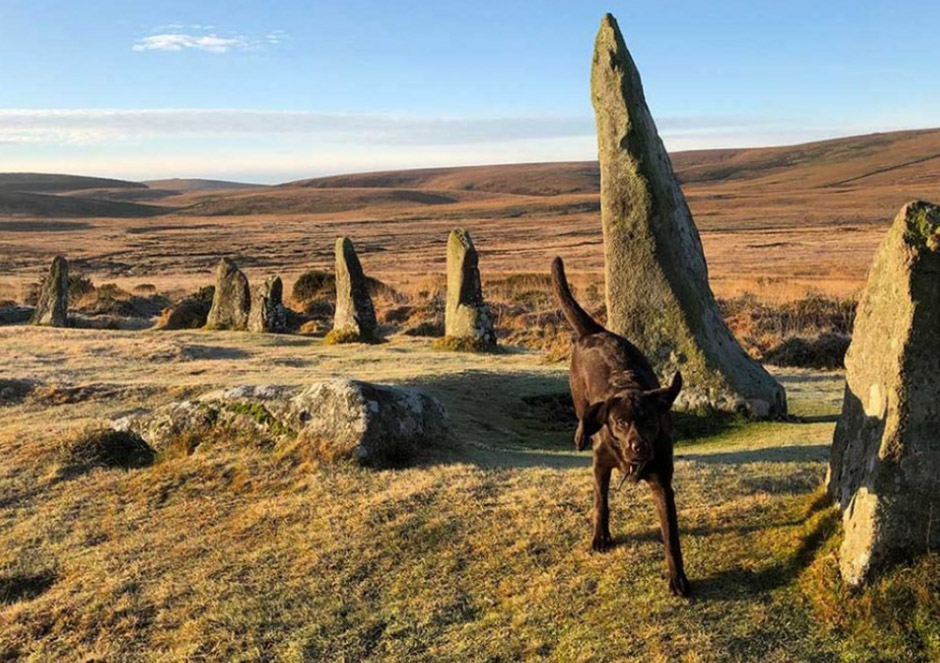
[231, 550]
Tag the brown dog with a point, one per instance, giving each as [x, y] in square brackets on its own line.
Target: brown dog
[621, 405]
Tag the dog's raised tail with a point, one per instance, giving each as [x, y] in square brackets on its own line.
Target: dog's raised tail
[577, 317]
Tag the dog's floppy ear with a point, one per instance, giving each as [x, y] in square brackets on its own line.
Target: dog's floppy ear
[665, 396]
[594, 418]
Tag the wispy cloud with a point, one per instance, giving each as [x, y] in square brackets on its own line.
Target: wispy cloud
[198, 37]
[86, 126]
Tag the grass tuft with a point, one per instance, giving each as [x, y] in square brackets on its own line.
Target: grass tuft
[97, 445]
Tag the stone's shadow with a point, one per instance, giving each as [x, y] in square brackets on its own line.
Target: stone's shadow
[817, 419]
[742, 584]
[692, 426]
[521, 419]
[24, 587]
[782, 454]
[190, 352]
[786, 380]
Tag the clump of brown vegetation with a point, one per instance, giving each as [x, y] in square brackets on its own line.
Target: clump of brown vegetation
[100, 446]
[811, 332]
[188, 313]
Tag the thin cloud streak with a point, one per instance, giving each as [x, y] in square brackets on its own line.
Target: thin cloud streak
[178, 41]
[177, 37]
[84, 126]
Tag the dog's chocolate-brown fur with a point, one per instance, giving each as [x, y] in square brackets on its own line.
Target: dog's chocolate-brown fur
[623, 409]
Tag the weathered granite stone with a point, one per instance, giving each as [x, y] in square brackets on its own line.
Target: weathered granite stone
[267, 310]
[658, 294]
[232, 299]
[368, 422]
[354, 319]
[338, 419]
[885, 459]
[52, 308]
[466, 315]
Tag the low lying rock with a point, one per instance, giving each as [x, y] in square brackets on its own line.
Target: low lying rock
[340, 419]
[15, 315]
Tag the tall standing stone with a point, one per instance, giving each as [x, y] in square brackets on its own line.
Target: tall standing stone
[52, 308]
[885, 459]
[267, 309]
[466, 317]
[354, 318]
[657, 280]
[232, 299]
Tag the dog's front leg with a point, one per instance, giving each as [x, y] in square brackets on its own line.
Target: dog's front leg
[669, 524]
[602, 539]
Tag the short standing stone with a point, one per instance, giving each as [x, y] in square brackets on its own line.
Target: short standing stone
[354, 319]
[267, 310]
[232, 299]
[52, 308]
[658, 295]
[466, 316]
[885, 460]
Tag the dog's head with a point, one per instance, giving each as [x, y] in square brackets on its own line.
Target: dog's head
[634, 421]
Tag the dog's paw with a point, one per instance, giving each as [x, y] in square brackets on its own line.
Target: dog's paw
[581, 440]
[601, 543]
[679, 585]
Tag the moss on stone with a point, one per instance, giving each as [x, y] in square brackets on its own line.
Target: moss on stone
[464, 344]
[923, 225]
[259, 414]
[342, 336]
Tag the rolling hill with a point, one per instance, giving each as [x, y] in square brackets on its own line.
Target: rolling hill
[54, 183]
[904, 157]
[44, 205]
[196, 184]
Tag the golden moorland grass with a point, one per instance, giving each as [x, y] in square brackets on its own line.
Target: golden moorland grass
[478, 550]
[774, 221]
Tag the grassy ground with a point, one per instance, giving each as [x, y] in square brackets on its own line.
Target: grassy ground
[479, 551]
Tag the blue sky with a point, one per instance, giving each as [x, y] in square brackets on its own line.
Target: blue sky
[278, 90]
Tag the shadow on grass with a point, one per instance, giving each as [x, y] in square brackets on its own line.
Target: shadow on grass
[782, 454]
[24, 587]
[526, 419]
[821, 522]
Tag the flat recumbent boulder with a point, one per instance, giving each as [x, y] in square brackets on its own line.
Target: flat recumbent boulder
[337, 419]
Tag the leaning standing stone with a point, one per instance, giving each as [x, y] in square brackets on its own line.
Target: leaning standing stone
[354, 319]
[232, 299]
[267, 310]
[658, 295]
[885, 459]
[52, 308]
[467, 322]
